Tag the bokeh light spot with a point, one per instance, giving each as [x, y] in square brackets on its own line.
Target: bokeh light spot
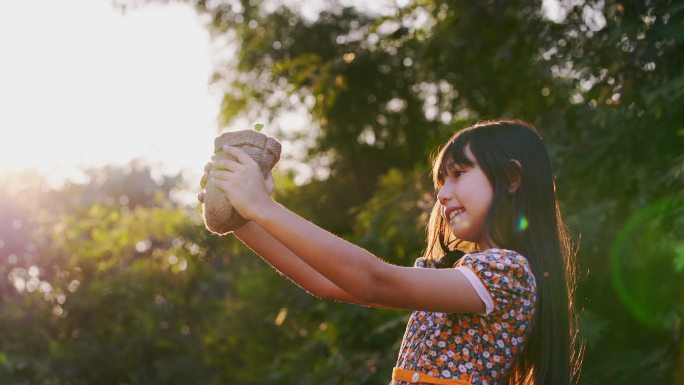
[644, 260]
[348, 57]
[280, 318]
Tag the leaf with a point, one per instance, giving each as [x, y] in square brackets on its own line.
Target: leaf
[679, 258]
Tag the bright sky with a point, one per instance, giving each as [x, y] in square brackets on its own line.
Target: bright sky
[83, 85]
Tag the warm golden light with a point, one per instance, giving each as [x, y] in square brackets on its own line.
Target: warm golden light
[84, 85]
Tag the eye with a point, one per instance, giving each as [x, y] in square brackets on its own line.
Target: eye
[456, 173]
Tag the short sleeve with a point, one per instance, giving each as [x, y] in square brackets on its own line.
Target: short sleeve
[502, 279]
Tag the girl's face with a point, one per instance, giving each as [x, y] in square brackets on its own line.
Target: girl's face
[466, 197]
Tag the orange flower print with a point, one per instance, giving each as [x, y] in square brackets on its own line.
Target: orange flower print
[484, 346]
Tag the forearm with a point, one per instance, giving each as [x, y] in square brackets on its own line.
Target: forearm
[284, 260]
[350, 267]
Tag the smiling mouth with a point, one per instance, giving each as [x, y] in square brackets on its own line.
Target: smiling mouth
[453, 213]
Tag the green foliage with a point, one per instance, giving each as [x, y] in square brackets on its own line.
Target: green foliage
[141, 294]
[390, 223]
[604, 85]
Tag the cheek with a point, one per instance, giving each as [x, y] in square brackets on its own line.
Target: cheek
[482, 195]
[487, 201]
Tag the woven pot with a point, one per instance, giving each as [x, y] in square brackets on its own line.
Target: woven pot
[219, 215]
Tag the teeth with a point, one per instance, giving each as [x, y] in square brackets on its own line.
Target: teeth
[454, 213]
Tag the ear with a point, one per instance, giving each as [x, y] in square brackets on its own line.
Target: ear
[516, 177]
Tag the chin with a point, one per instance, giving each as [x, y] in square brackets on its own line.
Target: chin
[464, 237]
[464, 234]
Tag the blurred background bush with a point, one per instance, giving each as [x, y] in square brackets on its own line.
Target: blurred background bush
[113, 281]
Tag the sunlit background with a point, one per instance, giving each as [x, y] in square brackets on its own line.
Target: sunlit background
[108, 114]
[83, 85]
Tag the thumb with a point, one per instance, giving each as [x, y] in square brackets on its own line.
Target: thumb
[239, 154]
[270, 185]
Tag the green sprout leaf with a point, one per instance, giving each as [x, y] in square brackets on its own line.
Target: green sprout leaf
[258, 127]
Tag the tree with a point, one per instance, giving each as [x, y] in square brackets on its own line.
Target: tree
[603, 84]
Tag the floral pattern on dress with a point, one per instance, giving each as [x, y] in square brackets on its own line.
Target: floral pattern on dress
[451, 345]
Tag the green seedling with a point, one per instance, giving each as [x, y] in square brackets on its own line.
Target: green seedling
[258, 127]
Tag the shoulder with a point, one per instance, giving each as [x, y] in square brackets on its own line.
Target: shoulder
[497, 256]
[499, 261]
[506, 276]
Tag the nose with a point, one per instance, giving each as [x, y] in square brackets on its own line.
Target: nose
[443, 197]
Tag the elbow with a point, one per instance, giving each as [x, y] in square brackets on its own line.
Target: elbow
[325, 290]
[368, 297]
[367, 285]
[372, 285]
[320, 296]
[334, 294]
[321, 292]
[340, 295]
[326, 295]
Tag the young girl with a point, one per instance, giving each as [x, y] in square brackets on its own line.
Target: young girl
[500, 314]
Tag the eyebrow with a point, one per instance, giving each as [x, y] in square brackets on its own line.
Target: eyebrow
[453, 165]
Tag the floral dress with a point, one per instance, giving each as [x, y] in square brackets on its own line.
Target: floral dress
[479, 348]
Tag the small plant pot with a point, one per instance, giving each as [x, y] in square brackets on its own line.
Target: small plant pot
[219, 215]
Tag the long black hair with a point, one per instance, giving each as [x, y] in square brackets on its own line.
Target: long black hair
[527, 221]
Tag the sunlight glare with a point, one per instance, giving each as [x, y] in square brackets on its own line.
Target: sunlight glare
[83, 85]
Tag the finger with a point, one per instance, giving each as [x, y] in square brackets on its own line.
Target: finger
[218, 156]
[239, 154]
[200, 197]
[270, 186]
[222, 184]
[225, 164]
[208, 166]
[221, 174]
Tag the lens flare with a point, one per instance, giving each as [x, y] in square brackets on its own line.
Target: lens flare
[679, 259]
[522, 224]
[645, 263]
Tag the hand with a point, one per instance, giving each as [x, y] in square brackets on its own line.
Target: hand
[242, 182]
[270, 185]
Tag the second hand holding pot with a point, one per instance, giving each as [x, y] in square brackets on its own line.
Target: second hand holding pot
[220, 217]
[242, 181]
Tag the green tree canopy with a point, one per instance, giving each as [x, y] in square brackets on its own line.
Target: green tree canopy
[602, 81]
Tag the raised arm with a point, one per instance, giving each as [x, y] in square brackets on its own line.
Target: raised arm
[366, 277]
[348, 266]
[290, 265]
[285, 261]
